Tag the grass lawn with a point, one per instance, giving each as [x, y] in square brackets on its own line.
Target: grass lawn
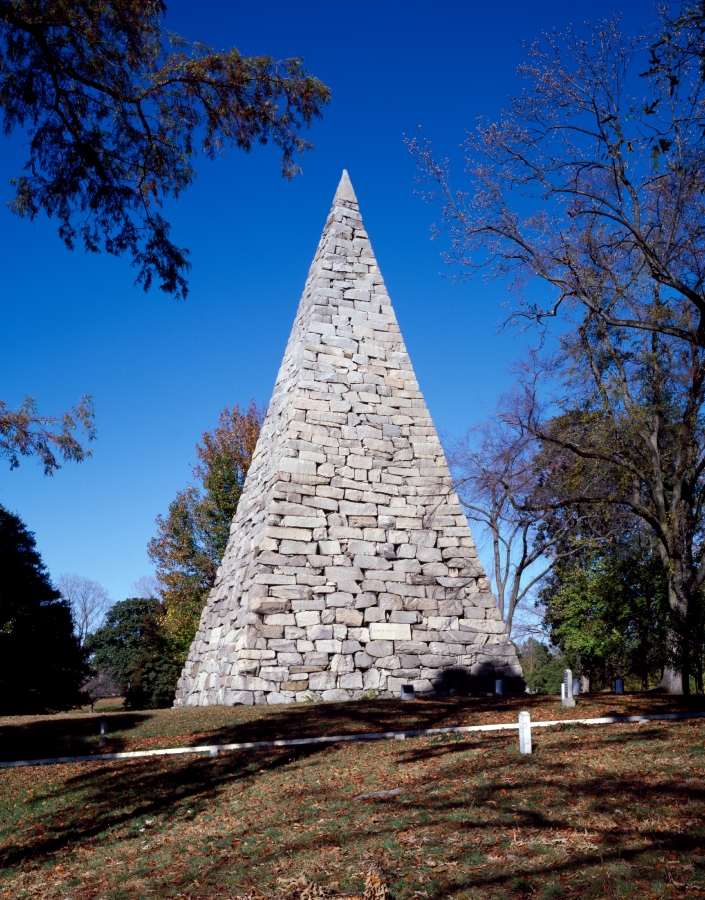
[595, 812]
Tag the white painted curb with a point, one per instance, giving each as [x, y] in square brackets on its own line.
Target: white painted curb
[215, 749]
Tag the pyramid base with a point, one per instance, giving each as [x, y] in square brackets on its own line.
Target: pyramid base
[453, 681]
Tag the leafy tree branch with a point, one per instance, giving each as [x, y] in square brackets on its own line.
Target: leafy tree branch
[24, 432]
[115, 108]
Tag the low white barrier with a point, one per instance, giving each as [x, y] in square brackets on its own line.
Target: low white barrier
[215, 749]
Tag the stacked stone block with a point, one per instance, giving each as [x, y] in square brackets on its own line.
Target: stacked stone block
[350, 565]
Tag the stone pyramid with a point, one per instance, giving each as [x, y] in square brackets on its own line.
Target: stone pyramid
[350, 565]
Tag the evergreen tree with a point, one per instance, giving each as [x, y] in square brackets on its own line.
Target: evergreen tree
[155, 668]
[41, 663]
[543, 672]
[115, 646]
[135, 648]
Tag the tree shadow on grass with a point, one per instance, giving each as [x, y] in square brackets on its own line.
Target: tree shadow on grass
[55, 736]
[117, 794]
[618, 842]
[122, 795]
[78, 734]
[119, 797]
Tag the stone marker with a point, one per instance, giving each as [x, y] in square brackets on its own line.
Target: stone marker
[619, 686]
[350, 564]
[499, 687]
[576, 686]
[376, 794]
[408, 692]
[567, 695]
[524, 732]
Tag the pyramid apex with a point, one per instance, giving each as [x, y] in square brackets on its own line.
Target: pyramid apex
[345, 189]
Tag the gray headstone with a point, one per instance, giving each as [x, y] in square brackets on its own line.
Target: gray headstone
[567, 695]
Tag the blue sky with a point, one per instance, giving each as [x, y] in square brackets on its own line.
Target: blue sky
[160, 370]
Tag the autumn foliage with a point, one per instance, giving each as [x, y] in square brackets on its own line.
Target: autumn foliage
[192, 537]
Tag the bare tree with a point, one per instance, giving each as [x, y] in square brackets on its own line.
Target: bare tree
[147, 586]
[502, 481]
[101, 686]
[89, 602]
[601, 196]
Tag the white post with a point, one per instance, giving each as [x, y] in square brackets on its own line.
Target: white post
[103, 729]
[567, 698]
[576, 686]
[524, 732]
[499, 687]
[562, 691]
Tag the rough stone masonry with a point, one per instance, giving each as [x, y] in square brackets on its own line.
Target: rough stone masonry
[350, 565]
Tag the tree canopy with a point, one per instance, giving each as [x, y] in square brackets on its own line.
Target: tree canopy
[607, 610]
[115, 645]
[134, 648]
[88, 601]
[41, 663]
[543, 672]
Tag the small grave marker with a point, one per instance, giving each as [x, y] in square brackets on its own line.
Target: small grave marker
[499, 687]
[619, 686]
[408, 692]
[567, 693]
[524, 732]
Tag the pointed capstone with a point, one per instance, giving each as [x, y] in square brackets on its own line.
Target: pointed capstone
[345, 190]
[350, 565]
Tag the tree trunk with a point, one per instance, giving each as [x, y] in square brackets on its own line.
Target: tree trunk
[671, 681]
